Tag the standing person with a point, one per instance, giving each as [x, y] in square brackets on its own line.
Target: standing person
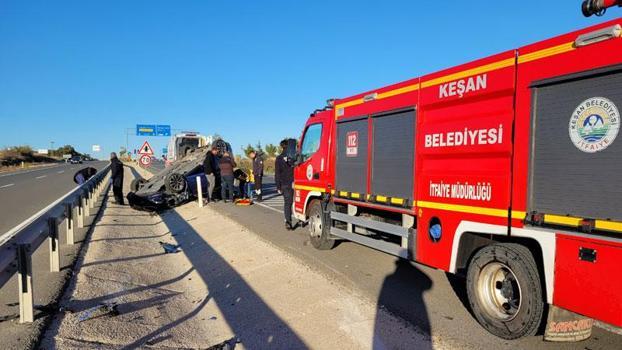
[284, 177]
[210, 167]
[257, 172]
[116, 168]
[226, 166]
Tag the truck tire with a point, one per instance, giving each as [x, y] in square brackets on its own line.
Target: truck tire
[319, 231]
[504, 290]
[175, 183]
[137, 184]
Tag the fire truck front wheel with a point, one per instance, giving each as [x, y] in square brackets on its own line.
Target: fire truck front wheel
[319, 231]
[503, 285]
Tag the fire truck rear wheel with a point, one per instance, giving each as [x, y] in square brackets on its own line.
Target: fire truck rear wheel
[503, 285]
[319, 231]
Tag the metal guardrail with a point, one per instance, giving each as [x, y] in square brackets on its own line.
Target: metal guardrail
[18, 245]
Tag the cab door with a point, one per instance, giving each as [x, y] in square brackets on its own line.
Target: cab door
[312, 177]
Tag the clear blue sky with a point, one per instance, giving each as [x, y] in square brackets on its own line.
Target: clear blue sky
[81, 72]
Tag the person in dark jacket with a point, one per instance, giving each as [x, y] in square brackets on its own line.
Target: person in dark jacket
[116, 169]
[82, 175]
[242, 177]
[284, 178]
[210, 166]
[257, 172]
[226, 165]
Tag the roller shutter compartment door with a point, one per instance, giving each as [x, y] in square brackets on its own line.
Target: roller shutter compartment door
[393, 154]
[576, 162]
[352, 143]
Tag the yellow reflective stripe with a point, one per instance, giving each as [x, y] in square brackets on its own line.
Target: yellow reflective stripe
[309, 188]
[343, 193]
[381, 95]
[551, 51]
[355, 195]
[381, 198]
[464, 208]
[520, 215]
[414, 87]
[398, 91]
[508, 62]
[399, 201]
[608, 225]
[355, 102]
[562, 220]
[469, 72]
[332, 191]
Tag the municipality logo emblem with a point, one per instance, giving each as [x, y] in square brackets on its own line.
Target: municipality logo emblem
[594, 124]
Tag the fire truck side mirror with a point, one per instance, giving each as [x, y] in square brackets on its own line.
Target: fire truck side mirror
[299, 159]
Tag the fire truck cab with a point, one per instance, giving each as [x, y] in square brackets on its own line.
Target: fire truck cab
[505, 169]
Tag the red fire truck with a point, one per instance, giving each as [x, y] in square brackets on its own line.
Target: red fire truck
[507, 169]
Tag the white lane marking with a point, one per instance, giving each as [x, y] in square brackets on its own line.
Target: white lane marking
[14, 230]
[5, 186]
[269, 207]
[40, 177]
[62, 171]
[30, 171]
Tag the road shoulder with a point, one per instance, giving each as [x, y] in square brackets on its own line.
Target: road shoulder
[225, 284]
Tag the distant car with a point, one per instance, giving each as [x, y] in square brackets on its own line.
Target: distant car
[175, 184]
[75, 160]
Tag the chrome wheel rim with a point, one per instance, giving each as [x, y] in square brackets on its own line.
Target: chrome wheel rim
[315, 225]
[177, 183]
[499, 292]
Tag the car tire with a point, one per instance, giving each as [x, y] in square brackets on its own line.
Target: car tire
[504, 290]
[137, 184]
[319, 230]
[175, 183]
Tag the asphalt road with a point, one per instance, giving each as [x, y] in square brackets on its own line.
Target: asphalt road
[24, 193]
[30, 192]
[430, 299]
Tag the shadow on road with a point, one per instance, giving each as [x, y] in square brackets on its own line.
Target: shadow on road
[406, 284]
[250, 318]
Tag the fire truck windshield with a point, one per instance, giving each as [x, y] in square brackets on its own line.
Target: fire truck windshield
[311, 141]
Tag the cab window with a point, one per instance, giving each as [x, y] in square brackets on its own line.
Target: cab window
[311, 141]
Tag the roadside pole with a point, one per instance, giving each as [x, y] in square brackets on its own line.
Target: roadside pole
[200, 192]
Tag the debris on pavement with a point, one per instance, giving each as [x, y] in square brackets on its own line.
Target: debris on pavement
[228, 344]
[170, 248]
[99, 310]
[243, 201]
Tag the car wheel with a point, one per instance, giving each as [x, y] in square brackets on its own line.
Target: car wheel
[175, 183]
[137, 184]
[319, 231]
[504, 290]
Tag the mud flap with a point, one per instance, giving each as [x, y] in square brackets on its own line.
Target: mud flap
[566, 326]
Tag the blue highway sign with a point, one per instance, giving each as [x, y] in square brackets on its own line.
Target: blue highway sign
[163, 130]
[145, 130]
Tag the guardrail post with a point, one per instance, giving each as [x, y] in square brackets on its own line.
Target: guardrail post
[91, 192]
[69, 223]
[24, 278]
[98, 188]
[80, 211]
[54, 248]
[85, 204]
[200, 192]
